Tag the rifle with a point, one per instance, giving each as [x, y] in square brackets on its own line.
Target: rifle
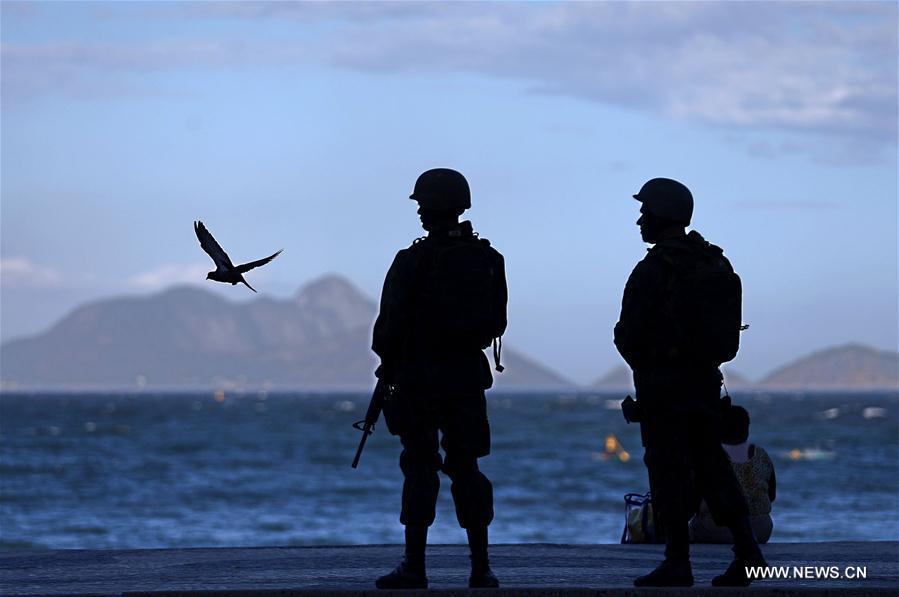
[367, 425]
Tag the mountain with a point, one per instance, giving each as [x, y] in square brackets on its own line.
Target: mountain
[618, 378]
[847, 366]
[187, 337]
[733, 379]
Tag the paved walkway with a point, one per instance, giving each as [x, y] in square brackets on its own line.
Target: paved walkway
[526, 570]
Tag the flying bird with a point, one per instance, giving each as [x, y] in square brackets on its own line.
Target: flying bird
[225, 271]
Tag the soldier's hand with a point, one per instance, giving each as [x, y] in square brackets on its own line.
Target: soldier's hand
[631, 410]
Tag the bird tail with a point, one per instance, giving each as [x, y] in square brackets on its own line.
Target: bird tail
[247, 285]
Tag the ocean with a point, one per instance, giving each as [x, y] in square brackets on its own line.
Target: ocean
[150, 470]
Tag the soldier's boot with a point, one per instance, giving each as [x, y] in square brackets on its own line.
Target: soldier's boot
[670, 573]
[675, 569]
[482, 576]
[410, 574]
[746, 554]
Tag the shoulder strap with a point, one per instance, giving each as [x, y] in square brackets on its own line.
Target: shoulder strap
[497, 342]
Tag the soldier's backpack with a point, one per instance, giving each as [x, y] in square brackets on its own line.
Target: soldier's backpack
[462, 294]
[707, 305]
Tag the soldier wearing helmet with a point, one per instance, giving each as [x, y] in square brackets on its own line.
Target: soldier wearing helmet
[680, 319]
[443, 302]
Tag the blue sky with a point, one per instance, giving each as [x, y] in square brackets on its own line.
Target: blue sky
[304, 126]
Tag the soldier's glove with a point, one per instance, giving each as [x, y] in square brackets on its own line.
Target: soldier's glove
[385, 373]
[632, 411]
[725, 403]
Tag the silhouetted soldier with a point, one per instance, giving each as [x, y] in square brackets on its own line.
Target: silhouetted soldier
[443, 302]
[680, 319]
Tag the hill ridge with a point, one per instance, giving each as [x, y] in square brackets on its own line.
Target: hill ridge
[187, 336]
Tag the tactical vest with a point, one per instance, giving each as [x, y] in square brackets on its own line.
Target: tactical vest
[457, 302]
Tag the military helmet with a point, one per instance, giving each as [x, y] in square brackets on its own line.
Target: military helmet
[443, 189]
[667, 198]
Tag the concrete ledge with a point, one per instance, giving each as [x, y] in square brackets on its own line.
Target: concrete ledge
[527, 570]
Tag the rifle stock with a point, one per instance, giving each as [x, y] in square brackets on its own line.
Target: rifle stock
[367, 425]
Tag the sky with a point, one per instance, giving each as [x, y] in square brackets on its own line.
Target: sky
[303, 126]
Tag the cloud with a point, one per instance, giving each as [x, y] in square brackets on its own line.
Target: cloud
[819, 147]
[90, 70]
[19, 9]
[170, 274]
[119, 57]
[799, 68]
[366, 12]
[19, 272]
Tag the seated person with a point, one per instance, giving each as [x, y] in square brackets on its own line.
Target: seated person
[755, 472]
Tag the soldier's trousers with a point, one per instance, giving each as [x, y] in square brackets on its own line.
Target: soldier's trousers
[462, 421]
[686, 463]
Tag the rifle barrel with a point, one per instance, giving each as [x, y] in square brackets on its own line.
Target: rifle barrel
[366, 431]
[371, 417]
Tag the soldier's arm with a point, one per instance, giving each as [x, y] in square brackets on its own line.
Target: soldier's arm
[633, 332]
[392, 324]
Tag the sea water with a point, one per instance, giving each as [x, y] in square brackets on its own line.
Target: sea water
[250, 469]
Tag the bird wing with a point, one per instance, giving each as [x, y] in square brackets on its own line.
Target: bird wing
[245, 267]
[212, 248]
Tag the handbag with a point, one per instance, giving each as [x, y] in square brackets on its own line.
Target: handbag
[639, 520]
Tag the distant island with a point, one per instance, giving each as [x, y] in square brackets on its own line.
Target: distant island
[190, 338]
[850, 366]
